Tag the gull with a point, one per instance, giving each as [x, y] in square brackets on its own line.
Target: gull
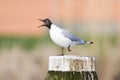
[62, 37]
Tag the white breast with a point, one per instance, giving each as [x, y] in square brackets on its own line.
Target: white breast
[58, 38]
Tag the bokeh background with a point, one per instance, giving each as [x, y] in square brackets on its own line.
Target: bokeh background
[25, 48]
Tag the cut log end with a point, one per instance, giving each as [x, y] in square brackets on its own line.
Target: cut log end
[71, 63]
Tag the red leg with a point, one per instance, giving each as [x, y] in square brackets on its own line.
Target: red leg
[69, 48]
[62, 51]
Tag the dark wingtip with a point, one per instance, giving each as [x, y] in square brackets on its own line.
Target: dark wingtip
[91, 42]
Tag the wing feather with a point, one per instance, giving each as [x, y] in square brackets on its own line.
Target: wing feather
[71, 36]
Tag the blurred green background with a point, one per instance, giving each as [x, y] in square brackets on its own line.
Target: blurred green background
[24, 48]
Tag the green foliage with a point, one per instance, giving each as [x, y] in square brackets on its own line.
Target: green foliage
[114, 39]
[27, 43]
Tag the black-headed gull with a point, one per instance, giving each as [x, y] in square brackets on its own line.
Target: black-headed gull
[62, 37]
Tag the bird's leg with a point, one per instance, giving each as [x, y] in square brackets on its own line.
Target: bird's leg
[69, 48]
[62, 50]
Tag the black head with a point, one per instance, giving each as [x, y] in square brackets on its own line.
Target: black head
[46, 22]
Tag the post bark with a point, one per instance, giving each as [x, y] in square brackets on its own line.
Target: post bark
[71, 67]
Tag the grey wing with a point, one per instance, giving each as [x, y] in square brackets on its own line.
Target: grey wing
[71, 36]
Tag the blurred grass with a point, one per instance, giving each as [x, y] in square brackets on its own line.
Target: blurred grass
[29, 43]
[26, 43]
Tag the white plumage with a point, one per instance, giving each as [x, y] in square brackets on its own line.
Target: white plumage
[56, 34]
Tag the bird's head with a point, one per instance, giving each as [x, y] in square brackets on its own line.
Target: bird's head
[46, 22]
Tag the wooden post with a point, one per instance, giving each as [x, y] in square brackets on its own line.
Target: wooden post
[71, 67]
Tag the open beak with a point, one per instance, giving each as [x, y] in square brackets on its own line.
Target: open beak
[41, 25]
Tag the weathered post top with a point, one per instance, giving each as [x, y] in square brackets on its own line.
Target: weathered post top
[71, 63]
[71, 67]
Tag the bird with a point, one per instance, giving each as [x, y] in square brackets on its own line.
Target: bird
[62, 37]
